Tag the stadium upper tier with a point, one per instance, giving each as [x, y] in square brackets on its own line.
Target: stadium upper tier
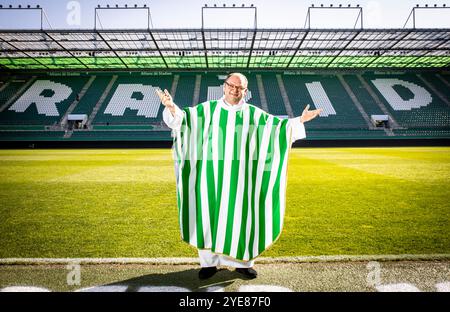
[121, 106]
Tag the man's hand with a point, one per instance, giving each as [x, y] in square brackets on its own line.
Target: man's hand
[308, 115]
[166, 100]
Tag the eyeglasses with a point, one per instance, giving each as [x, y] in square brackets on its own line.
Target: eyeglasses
[239, 88]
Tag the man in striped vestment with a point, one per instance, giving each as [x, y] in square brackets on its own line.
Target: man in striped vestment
[231, 166]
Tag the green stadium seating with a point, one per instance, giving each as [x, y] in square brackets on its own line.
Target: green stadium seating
[92, 95]
[11, 89]
[130, 116]
[185, 90]
[253, 87]
[208, 81]
[435, 114]
[347, 115]
[273, 95]
[342, 121]
[31, 114]
[363, 96]
[446, 76]
[438, 84]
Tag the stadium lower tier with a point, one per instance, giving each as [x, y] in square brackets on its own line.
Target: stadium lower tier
[124, 106]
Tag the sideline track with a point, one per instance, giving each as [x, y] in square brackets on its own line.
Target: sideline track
[187, 261]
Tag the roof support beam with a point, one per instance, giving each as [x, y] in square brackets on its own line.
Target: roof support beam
[204, 48]
[251, 48]
[55, 41]
[19, 50]
[36, 46]
[298, 48]
[114, 51]
[350, 41]
[157, 47]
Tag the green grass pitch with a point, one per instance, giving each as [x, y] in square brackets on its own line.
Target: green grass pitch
[122, 203]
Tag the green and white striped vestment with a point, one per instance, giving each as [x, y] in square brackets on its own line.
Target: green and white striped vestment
[231, 168]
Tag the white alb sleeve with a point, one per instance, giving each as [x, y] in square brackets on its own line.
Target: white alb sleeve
[298, 129]
[173, 121]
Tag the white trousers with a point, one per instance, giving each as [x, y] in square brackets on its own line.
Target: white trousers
[210, 259]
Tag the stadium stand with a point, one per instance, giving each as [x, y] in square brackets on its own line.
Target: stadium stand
[445, 77]
[44, 102]
[329, 94]
[273, 95]
[9, 91]
[184, 93]
[132, 100]
[253, 89]
[34, 105]
[410, 101]
[367, 102]
[88, 101]
[434, 80]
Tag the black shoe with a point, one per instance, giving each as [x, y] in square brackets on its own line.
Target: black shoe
[207, 272]
[249, 273]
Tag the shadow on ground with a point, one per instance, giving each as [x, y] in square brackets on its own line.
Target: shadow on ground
[186, 280]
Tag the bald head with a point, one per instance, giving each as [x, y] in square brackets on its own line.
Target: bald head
[235, 88]
[240, 76]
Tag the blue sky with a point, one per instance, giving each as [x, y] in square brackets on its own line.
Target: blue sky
[68, 14]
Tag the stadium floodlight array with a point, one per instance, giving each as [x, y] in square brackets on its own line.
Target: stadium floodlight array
[29, 7]
[349, 7]
[418, 7]
[125, 7]
[251, 7]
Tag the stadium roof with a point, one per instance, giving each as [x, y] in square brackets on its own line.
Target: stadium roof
[190, 49]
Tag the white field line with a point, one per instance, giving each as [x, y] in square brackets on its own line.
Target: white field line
[262, 260]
